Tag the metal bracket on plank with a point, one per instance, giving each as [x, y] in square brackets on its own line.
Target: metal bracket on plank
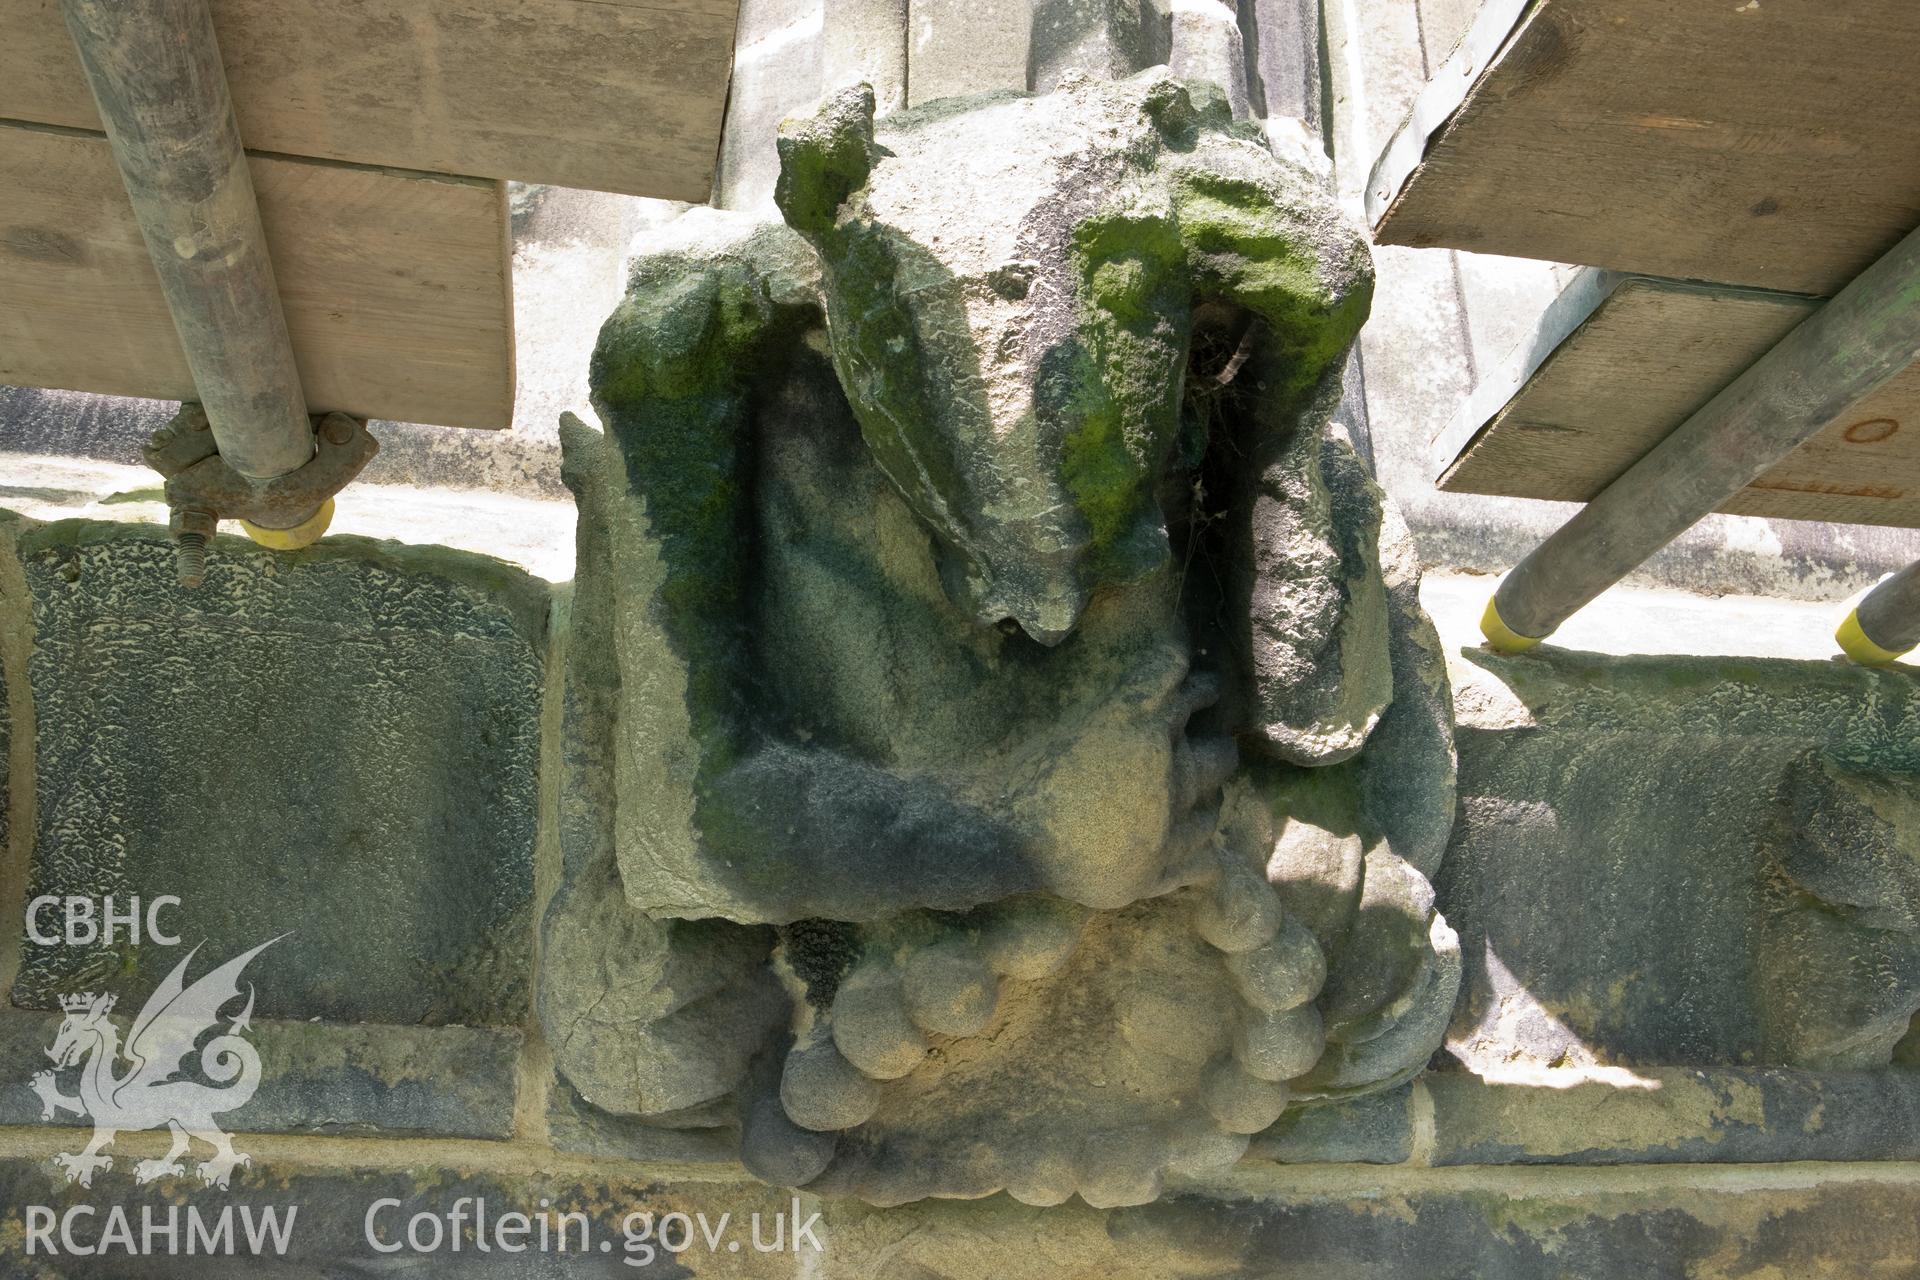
[286, 512]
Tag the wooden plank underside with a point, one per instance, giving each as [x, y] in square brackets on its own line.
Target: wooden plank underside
[602, 94]
[1627, 360]
[1772, 144]
[397, 287]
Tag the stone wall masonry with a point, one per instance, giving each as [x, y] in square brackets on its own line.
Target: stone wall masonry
[1685, 889]
[1547, 1170]
[354, 732]
[1683, 860]
[336, 751]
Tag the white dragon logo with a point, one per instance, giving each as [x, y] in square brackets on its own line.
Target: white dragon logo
[148, 1095]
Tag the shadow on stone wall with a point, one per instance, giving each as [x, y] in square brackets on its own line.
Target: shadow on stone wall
[1684, 861]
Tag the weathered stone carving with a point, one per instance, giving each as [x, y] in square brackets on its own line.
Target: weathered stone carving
[1004, 749]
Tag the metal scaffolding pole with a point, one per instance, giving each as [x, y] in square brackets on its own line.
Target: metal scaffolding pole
[1845, 351]
[1886, 623]
[155, 71]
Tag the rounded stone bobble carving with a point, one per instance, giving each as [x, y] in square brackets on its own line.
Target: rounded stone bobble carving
[1283, 973]
[1029, 939]
[1206, 1151]
[950, 989]
[872, 1028]
[1237, 912]
[776, 1150]
[1121, 1167]
[1045, 1180]
[821, 1090]
[1240, 1102]
[1280, 1046]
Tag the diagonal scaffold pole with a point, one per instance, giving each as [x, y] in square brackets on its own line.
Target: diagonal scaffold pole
[1838, 356]
[1886, 623]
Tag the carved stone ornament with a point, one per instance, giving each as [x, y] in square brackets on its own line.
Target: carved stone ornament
[1004, 747]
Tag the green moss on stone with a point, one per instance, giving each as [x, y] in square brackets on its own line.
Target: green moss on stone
[672, 377]
[1259, 255]
[1124, 395]
[879, 350]
[824, 158]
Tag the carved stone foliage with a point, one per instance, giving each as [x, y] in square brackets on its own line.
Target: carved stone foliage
[1004, 750]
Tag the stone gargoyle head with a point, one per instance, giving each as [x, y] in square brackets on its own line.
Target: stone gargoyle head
[1015, 350]
[1001, 757]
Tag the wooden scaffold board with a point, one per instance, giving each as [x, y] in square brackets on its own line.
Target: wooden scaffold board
[1619, 361]
[396, 285]
[1771, 143]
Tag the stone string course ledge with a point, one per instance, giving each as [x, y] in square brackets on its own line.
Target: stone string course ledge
[1717, 1223]
[328, 1078]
